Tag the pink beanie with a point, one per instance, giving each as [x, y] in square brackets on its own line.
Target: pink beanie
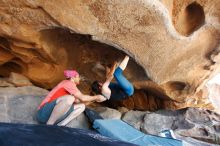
[70, 73]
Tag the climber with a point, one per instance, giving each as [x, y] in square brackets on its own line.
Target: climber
[120, 90]
[65, 101]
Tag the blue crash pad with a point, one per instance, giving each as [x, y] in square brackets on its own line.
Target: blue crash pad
[44, 135]
[120, 130]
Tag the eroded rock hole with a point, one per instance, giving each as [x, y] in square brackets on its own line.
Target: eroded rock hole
[190, 19]
[195, 17]
[176, 89]
[11, 67]
[176, 85]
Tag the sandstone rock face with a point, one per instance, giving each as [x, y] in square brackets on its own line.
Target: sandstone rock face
[108, 113]
[19, 105]
[195, 123]
[174, 44]
[15, 80]
[19, 80]
[79, 122]
[134, 118]
[160, 120]
[4, 83]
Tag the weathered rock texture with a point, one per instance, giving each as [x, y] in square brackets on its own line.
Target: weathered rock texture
[193, 122]
[175, 41]
[186, 123]
[15, 80]
[19, 105]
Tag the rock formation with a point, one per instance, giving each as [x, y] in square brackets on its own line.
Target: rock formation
[174, 44]
[19, 105]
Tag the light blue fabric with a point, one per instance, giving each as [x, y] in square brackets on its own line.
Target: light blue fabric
[120, 130]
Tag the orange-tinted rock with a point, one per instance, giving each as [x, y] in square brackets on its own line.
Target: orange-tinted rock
[5, 83]
[175, 42]
[19, 80]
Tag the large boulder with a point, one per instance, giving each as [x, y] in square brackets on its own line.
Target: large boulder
[19, 105]
[175, 42]
[80, 121]
[108, 113]
[134, 118]
[192, 122]
[161, 120]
